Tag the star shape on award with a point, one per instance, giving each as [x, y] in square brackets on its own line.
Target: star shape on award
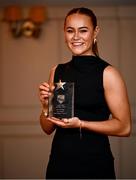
[60, 85]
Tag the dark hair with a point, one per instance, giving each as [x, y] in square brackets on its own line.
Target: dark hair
[89, 13]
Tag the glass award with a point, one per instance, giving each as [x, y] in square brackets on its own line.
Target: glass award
[61, 104]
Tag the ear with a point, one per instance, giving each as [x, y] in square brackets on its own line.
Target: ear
[96, 31]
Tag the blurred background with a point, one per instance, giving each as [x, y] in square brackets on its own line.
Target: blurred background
[31, 42]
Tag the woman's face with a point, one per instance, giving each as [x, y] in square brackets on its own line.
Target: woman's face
[79, 34]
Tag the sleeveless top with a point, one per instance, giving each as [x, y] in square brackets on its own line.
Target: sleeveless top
[89, 105]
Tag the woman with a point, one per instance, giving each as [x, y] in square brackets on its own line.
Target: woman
[80, 147]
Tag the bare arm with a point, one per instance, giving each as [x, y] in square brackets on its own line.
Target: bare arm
[44, 92]
[117, 100]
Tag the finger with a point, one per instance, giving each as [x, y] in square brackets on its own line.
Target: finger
[45, 93]
[57, 119]
[52, 88]
[57, 122]
[44, 88]
[52, 118]
[43, 98]
[65, 120]
[45, 84]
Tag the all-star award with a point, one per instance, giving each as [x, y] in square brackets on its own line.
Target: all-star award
[61, 104]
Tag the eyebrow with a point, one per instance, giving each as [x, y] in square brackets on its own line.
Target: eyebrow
[83, 27]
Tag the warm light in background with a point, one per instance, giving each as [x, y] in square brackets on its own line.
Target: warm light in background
[30, 26]
[37, 14]
[12, 13]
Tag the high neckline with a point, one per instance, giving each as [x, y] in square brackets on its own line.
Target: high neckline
[84, 63]
[83, 56]
[84, 60]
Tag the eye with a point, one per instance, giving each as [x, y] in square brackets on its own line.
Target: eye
[69, 30]
[83, 30]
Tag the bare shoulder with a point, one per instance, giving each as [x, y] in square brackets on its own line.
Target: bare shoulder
[112, 72]
[113, 77]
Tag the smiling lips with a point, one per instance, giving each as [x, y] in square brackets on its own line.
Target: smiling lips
[76, 44]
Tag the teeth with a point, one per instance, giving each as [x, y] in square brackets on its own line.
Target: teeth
[77, 44]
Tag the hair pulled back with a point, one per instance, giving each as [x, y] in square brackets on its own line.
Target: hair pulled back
[89, 13]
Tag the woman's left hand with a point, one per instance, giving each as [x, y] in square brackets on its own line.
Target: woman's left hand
[66, 122]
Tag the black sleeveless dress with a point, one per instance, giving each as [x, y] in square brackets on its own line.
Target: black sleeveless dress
[89, 157]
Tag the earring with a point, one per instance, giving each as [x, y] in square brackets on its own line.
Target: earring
[95, 40]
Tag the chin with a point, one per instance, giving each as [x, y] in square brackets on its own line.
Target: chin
[77, 53]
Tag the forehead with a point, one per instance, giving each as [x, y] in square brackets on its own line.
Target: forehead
[78, 20]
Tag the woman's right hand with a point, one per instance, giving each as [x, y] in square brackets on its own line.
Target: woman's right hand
[45, 90]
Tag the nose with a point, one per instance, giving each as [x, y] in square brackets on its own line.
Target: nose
[76, 35]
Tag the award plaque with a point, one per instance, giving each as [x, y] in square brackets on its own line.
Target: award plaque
[61, 104]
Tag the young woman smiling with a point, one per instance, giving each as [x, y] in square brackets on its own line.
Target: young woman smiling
[80, 147]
